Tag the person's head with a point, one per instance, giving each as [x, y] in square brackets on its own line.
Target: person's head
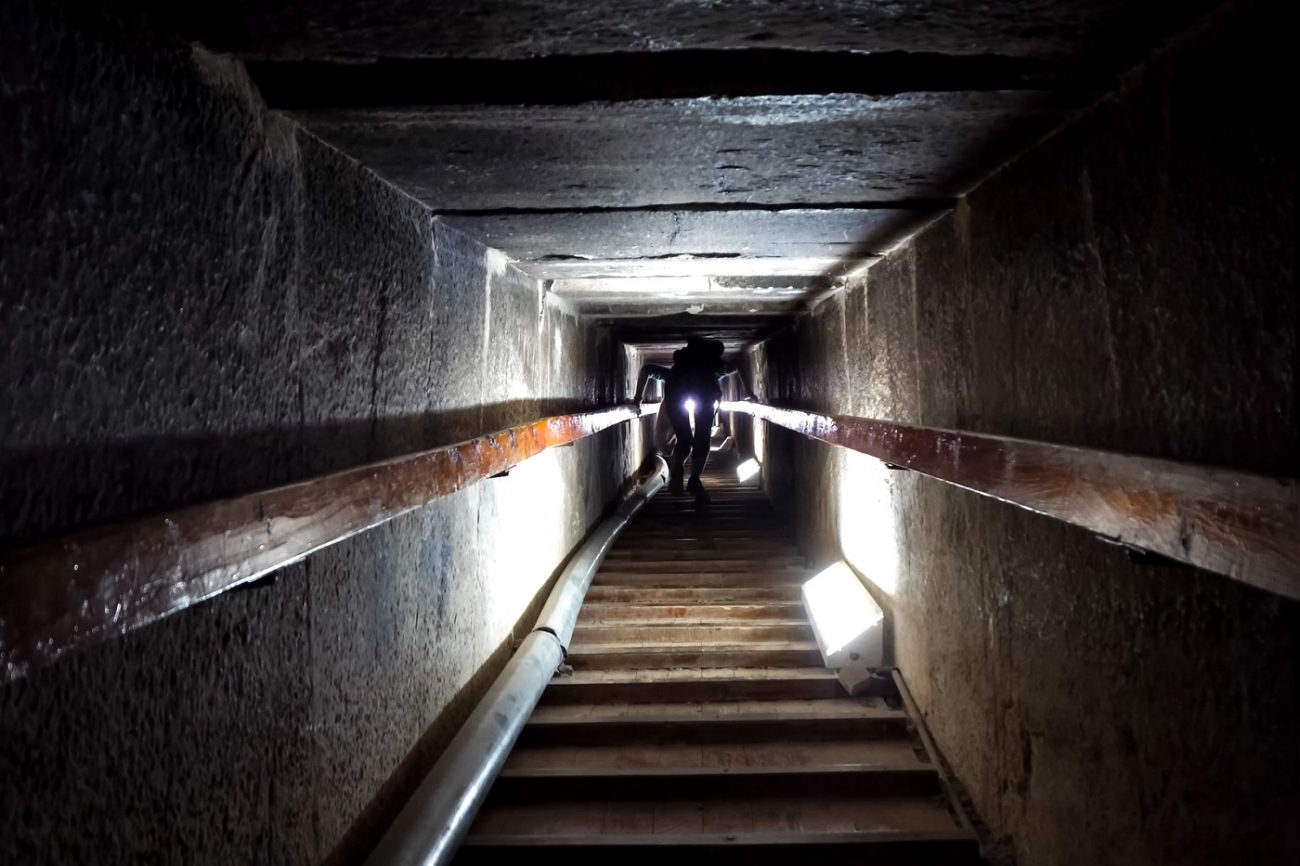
[704, 348]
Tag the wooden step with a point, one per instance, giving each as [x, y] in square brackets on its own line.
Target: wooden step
[709, 529]
[686, 685]
[703, 579]
[710, 543]
[697, 721]
[703, 520]
[715, 485]
[647, 528]
[624, 612]
[668, 566]
[694, 655]
[912, 779]
[773, 630]
[722, 756]
[694, 595]
[718, 498]
[716, 506]
[673, 550]
[684, 724]
[876, 829]
[690, 539]
[704, 541]
[885, 847]
[792, 816]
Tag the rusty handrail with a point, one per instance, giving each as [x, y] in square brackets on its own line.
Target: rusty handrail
[1237, 524]
[86, 587]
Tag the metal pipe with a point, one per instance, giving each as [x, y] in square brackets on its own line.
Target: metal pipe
[561, 610]
[432, 824]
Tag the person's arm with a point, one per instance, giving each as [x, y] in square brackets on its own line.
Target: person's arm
[648, 372]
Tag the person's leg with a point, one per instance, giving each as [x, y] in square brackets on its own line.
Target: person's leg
[681, 421]
[700, 446]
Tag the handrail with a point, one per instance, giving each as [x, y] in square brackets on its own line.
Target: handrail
[434, 821]
[86, 587]
[1244, 526]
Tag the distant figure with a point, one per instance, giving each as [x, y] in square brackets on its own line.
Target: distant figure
[692, 391]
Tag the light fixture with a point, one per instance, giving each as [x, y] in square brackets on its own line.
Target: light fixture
[846, 620]
[747, 470]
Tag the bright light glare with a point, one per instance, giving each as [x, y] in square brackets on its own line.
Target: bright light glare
[840, 607]
[531, 507]
[690, 406]
[868, 526]
[747, 470]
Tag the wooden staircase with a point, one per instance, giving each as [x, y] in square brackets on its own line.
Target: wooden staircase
[698, 723]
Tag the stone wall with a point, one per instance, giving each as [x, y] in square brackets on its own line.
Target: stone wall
[198, 300]
[1128, 284]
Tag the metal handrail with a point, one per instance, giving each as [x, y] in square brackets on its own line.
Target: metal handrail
[83, 588]
[1243, 526]
[434, 821]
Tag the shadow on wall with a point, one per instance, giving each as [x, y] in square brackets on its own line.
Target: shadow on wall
[63, 489]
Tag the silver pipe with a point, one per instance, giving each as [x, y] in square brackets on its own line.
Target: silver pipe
[431, 826]
[561, 610]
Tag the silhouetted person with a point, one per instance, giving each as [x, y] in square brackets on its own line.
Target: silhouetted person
[692, 390]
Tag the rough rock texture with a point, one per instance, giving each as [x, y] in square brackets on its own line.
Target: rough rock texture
[1055, 30]
[198, 299]
[1129, 284]
[748, 150]
[624, 235]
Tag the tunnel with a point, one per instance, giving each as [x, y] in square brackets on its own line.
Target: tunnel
[338, 526]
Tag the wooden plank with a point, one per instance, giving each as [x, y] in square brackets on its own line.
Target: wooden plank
[804, 818]
[618, 820]
[573, 690]
[641, 656]
[830, 753]
[1243, 526]
[624, 612]
[753, 543]
[691, 783]
[689, 595]
[686, 566]
[687, 579]
[676, 551]
[881, 848]
[669, 675]
[80, 589]
[775, 630]
[682, 724]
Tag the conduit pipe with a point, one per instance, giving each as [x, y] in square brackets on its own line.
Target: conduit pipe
[432, 824]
